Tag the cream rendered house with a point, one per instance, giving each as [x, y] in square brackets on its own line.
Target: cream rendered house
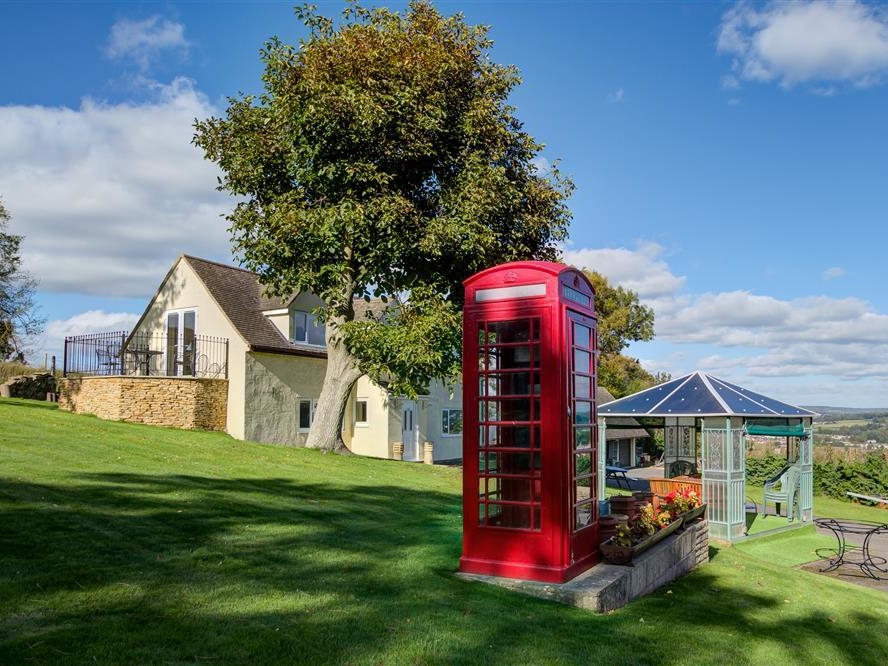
[275, 366]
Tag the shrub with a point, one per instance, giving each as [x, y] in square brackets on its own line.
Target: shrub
[10, 369]
[868, 476]
[759, 470]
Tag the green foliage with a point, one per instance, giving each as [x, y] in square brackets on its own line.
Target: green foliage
[383, 159]
[395, 341]
[623, 375]
[17, 310]
[868, 476]
[760, 469]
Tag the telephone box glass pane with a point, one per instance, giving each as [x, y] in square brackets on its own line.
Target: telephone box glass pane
[509, 331]
[581, 361]
[583, 516]
[582, 336]
[516, 490]
[514, 436]
[583, 467]
[509, 383]
[582, 387]
[582, 412]
[508, 515]
[582, 438]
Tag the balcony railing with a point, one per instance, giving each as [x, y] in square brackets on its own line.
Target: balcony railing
[123, 353]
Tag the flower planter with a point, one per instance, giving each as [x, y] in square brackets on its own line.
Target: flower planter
[693, 514]
[656, 537]
[617, 554]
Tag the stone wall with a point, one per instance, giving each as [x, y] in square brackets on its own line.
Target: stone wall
[35, 387]
[179, 402]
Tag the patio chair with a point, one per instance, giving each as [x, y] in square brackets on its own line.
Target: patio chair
[108, 358]
[781, 489]
[681, 468]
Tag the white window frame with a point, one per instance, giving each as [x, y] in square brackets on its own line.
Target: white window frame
[180, 342]
[366, 421]
[310, 320]
[312, 406]
[446, 433]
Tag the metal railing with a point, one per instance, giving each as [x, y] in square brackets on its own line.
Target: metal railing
[123, 353]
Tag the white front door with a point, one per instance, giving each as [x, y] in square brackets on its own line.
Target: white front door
[409, 430]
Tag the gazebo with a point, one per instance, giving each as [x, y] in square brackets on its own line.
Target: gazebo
[699, 412]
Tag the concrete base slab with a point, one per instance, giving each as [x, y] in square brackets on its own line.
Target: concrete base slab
[606, 587]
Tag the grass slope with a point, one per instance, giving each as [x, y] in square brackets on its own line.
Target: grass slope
[131, 544]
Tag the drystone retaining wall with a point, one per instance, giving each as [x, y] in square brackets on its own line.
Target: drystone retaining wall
[35, 387]
[178, 402]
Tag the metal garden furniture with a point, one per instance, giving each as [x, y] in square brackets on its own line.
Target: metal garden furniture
[869, 564]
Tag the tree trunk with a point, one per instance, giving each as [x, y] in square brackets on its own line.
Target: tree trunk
[341, 375]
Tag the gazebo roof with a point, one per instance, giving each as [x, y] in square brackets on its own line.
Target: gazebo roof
[699, 394]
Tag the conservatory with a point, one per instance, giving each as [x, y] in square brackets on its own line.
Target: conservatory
[706, 424]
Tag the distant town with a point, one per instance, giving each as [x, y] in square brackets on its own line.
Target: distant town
[865, 429]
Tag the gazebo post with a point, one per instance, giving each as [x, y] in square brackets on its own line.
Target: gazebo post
[602, 457]
[806, 482]
[736, 479]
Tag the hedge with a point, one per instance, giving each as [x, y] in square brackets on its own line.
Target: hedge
[835, 478]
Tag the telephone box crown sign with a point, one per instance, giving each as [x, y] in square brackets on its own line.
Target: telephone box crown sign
[510, 276]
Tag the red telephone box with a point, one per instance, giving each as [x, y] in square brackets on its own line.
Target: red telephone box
[530, 441]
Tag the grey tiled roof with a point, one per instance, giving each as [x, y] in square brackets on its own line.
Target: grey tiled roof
[240, 296]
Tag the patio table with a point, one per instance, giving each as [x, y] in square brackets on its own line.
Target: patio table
[868, 563]
[142, 358]
[618, 474]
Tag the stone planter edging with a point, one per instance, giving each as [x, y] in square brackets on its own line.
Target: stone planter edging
[607, 587]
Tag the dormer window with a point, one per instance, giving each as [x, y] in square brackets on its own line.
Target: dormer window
[305, 329]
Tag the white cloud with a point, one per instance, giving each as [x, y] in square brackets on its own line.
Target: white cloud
[746, 337]
[142, 41]
[641, 270]
[52, 341]
[802, 42]
[108, 195]
[833, 273]
[617, 96]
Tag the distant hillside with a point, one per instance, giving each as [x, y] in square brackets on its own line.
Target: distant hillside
[840, 411]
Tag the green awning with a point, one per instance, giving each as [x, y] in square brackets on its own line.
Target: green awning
[797, 430]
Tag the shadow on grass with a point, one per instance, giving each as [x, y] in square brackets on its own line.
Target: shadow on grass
[33, 404]
[152, 568]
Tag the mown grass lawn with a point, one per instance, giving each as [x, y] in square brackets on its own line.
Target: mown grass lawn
[130, 544]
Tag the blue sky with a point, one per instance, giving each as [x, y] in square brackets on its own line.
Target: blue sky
[731, 162]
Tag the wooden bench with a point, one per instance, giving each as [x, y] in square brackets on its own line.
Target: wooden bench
[663, 487]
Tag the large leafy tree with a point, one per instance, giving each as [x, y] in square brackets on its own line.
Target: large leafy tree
[622, 319]
[383, 160]
[18, 313]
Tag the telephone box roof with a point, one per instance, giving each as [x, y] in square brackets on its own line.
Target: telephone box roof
[699, 394]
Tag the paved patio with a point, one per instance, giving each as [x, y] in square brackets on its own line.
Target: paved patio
[849, 572]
